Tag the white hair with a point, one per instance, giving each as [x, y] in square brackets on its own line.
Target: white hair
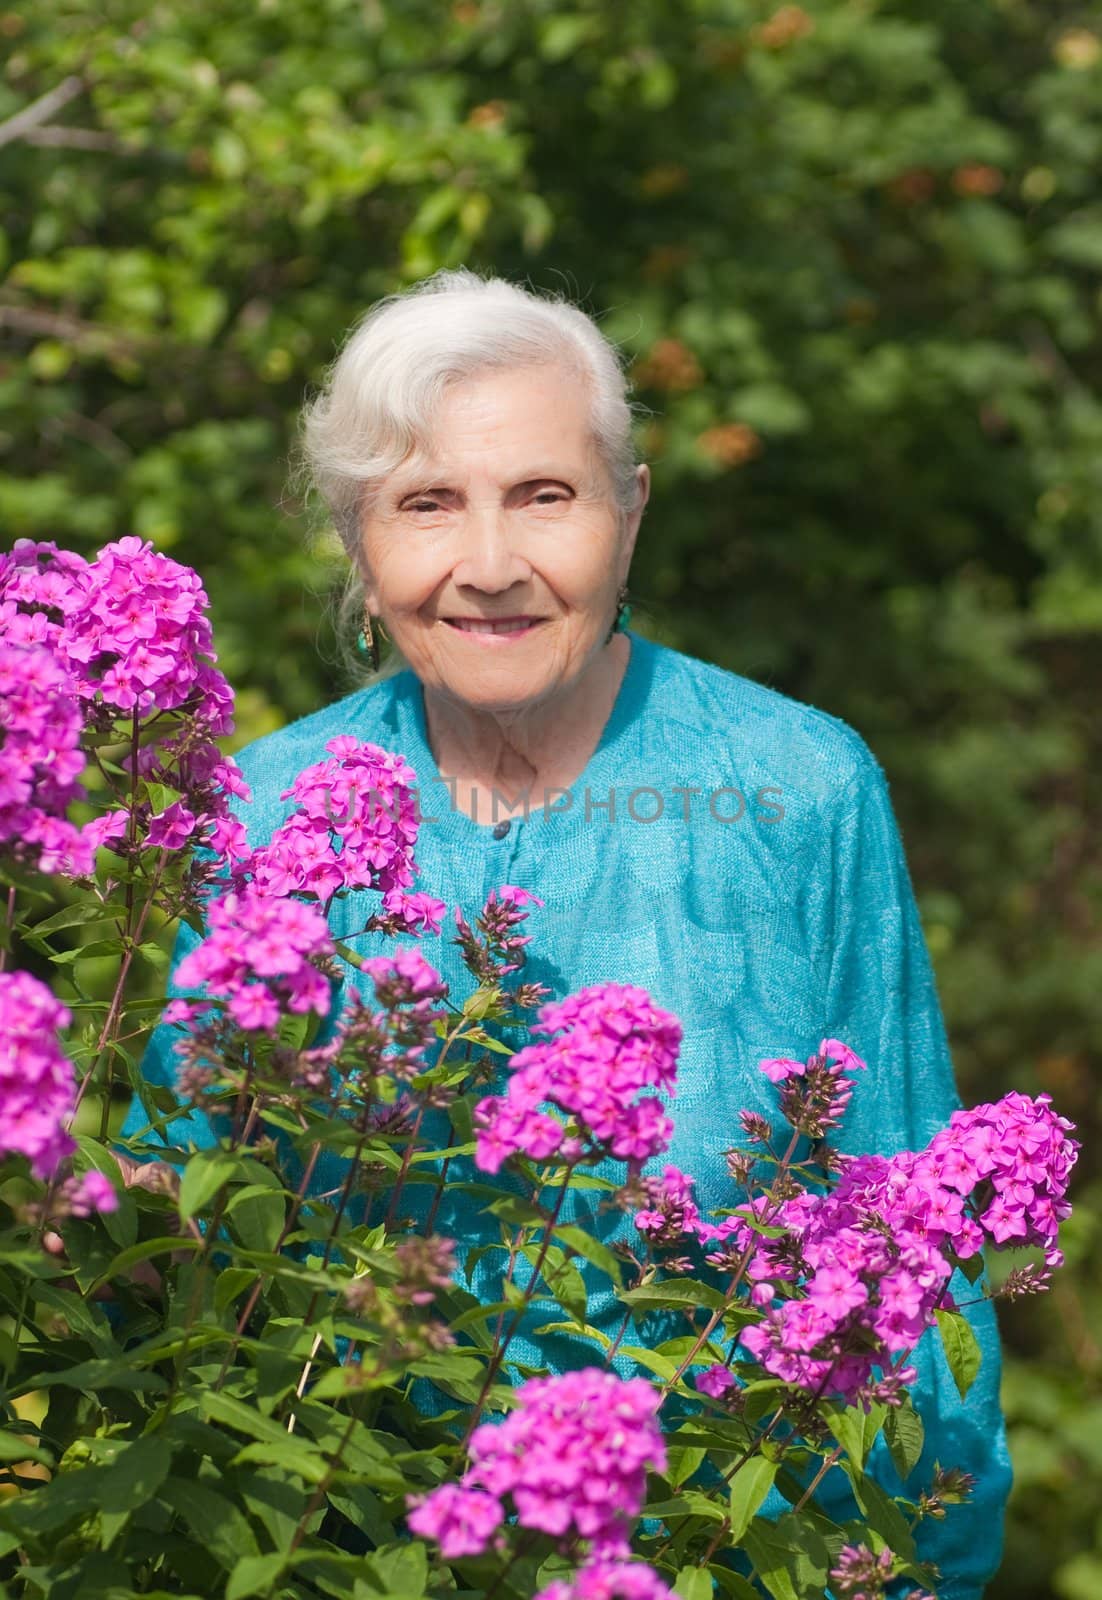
[378, 399]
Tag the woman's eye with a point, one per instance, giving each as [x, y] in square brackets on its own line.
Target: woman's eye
[549, 497]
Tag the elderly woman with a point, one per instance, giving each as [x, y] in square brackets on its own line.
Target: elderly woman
[730, 850]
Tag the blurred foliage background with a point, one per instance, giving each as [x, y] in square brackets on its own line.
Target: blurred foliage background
[854, 251]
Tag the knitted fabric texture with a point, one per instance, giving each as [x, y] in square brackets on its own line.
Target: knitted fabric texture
[735, 853]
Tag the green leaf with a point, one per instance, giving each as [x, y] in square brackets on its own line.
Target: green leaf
[675, 1292]
[855, 1430]
[881, 1512]
[155, 954]
[211, 1518]
[682, 1460]
[218, 1406]
[231, 1282]
[693, 1583]
[749, 1488]
[255, 1575]
[485, 1041]
[290, 1452]
[145, 1250]
[14, 1447]
[906, 1435]
[75, 915]
[91, 1376]
[733, 1584]
[204, 1175]
[591, 1249]
[294, 1029]
[400, 1572]
[772, 1558]
[115, 1489]
[961, 1349]
[689, 1503]
[258, 1212]
[790, 1555]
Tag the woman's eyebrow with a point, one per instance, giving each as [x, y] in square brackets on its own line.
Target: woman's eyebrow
[429, 485]
[423, 486]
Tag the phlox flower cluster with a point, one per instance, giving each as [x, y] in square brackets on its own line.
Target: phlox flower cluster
[814, 1094]
[259, 955]
[1014, 1158]
[612, 1043]
[846, 1292]
[130, 634]
[670, 1211]
[37, 1091]
[131, 625]
[848, 1281]
[407, 987]
[355, 828]
[140, 639]
[41, 587]
[573, 1457]
[424, 1266]
[858, 1574]
[496, 949]
[40, 761]
[610, 1580]
[201, 819]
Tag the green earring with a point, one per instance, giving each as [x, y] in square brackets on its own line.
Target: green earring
[366, 642]
[623, 613]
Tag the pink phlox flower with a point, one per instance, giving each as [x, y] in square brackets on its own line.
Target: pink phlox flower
[93, 1192]
[859, 1574]
[671, 1214]
[156, 657]
[404, 978]
[573, 1456]
[37, 1089]
[41, 761]
[258, 955]
[844, 1059]
[609, 1580]
[509, 893]
[417, 912]
[611, 1042]
[779, 1068]
[715, 1381]
[462, 1521]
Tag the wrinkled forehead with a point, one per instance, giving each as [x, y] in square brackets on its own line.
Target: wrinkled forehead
[514, 424]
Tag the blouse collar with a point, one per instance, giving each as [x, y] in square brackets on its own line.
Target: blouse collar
[604, 770]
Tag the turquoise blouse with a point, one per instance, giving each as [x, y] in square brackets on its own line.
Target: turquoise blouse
[735, 853]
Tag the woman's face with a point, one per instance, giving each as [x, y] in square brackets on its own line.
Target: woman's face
[494, 556]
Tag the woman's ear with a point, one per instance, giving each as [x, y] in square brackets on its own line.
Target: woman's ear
[371, 593]
[631, 524]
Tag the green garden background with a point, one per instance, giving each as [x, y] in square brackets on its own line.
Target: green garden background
[853, 249]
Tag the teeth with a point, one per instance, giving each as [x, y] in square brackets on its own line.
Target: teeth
[473, 625]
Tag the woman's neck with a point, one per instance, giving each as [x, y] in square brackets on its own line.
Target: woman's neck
[497, 759]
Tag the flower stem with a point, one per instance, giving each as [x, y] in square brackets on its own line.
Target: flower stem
[501, 1345]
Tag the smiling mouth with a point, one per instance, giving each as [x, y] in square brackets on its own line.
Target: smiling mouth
[493, 624]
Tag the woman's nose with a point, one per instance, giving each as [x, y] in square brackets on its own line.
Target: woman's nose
[489, 559]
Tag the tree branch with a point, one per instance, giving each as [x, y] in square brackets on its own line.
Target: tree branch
[73, 139]
[41, 110]
[55, 325]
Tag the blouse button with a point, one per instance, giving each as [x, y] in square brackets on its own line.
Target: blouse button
[500, 830]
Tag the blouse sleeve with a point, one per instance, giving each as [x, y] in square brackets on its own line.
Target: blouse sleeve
[881, 999]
